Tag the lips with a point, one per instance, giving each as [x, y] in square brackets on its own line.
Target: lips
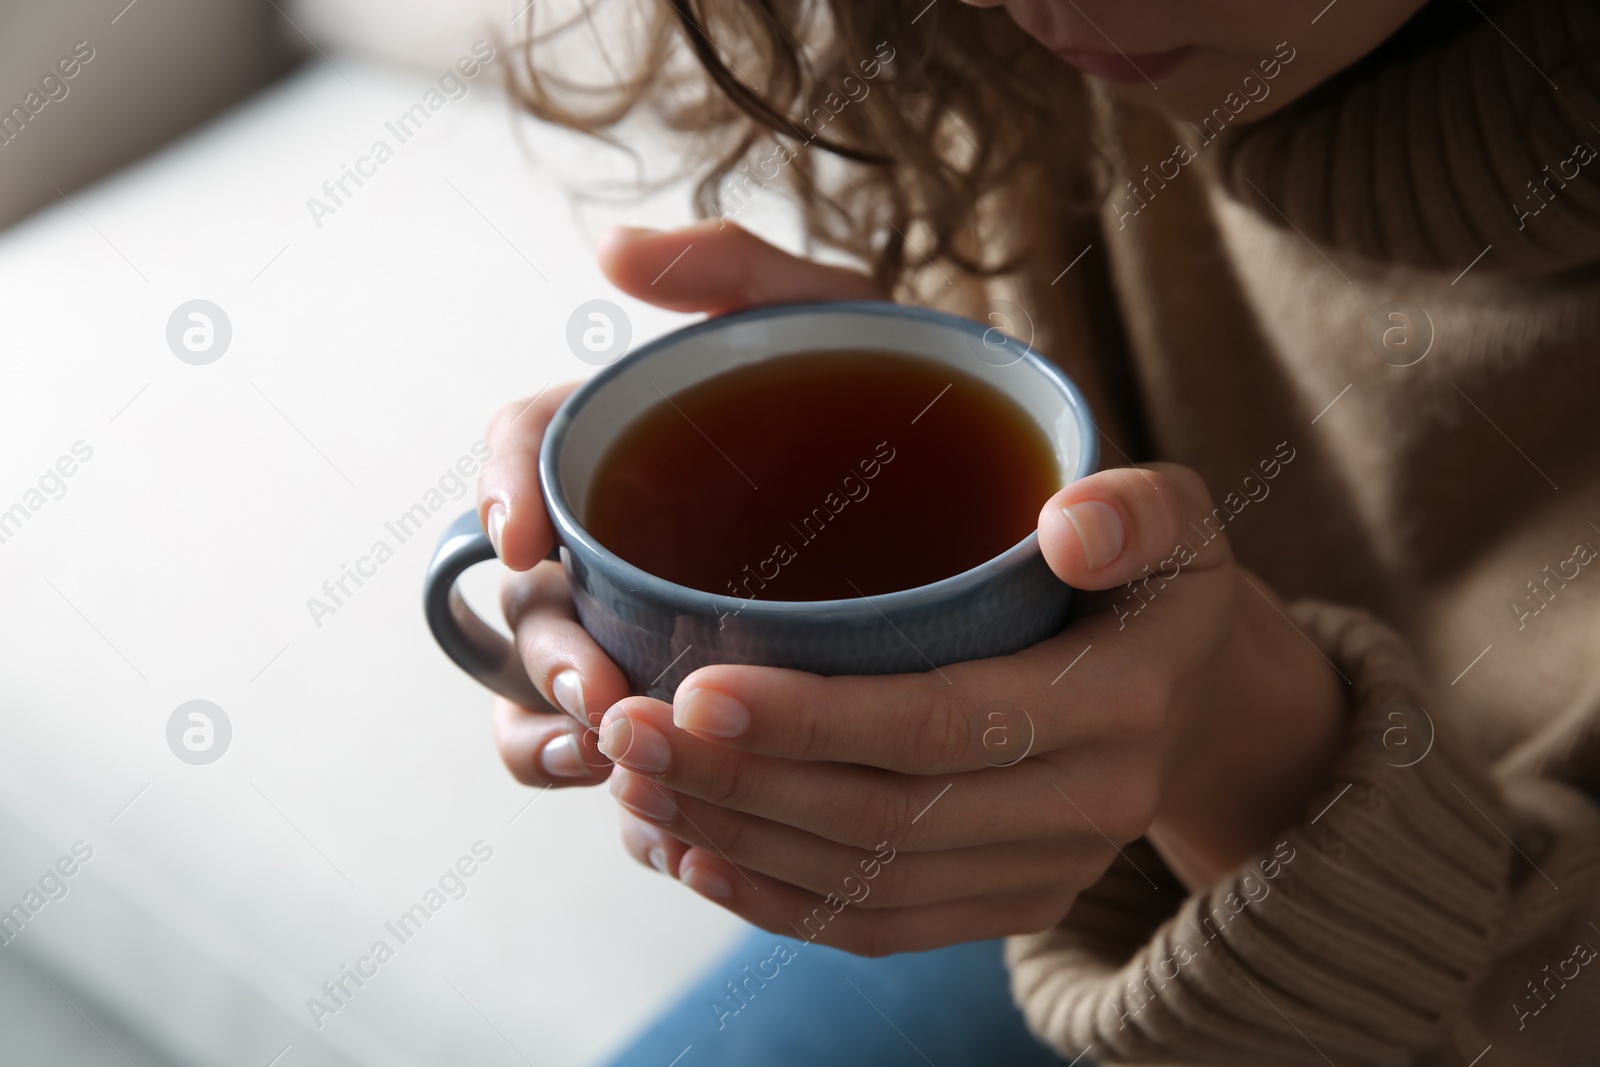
[1117, 67]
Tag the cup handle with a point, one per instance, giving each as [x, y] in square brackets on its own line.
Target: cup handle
[474, 645]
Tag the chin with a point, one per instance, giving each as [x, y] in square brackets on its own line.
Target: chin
[1213, 90]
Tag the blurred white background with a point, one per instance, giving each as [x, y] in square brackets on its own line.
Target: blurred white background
[175, 563]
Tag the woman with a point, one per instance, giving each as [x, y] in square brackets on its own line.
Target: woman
[1327, 273]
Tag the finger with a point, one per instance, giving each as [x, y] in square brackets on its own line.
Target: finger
[788, 911]
[570, 669]
[910, 723]
[650, 846]
[1090, 790]
[715, 266]
[546, 750]
[822, 866]
[509, 503]
[964, 717]
[1125, 524]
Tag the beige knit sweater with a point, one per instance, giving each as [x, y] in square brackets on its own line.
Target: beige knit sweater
[1441, 894]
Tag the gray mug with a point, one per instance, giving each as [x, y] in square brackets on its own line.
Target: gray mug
[658, 632]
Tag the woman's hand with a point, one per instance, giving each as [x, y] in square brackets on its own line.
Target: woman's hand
[712, 267]
[1186, 708]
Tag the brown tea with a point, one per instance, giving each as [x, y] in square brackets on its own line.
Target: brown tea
[821, 476]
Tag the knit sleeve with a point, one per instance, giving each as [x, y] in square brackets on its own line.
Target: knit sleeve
[1358, 939]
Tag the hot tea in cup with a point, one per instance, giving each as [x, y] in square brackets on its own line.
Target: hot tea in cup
[822, 476]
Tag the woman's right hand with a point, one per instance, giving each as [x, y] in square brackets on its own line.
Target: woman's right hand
[711, 267]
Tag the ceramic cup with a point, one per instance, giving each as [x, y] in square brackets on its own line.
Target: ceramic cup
[657, 632]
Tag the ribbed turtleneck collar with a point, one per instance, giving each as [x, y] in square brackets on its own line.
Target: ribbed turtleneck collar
[1429, 152]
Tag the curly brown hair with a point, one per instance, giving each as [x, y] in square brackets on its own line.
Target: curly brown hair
[937, 124]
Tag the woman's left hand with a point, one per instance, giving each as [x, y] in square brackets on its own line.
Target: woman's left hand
[977, 800]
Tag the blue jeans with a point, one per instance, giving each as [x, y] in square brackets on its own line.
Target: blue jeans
[781, 1002]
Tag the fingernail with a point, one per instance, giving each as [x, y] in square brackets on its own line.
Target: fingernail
[560, 758]
[647, 838]
[567, 690]
[643, 797]
[636, 746]
[708, 711]
[1099, 529]
[621, 233]
[708, 884]
[497, 525]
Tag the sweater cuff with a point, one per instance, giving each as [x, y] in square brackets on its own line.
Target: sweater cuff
[1349, 942]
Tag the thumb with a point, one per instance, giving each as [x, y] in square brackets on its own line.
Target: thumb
[1118, 525]
[715, 266]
